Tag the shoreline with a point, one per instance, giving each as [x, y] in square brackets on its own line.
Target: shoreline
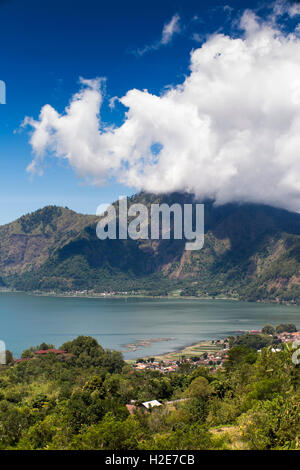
[73, 295]
[188, 350]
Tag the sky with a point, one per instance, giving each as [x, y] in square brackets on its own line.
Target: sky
[108, 98]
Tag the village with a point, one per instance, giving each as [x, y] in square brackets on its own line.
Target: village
[211, 354]
[207, 353]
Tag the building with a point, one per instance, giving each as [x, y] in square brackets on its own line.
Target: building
[151, 404]
[47, 351]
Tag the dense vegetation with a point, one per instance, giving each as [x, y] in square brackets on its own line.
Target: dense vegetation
[250, 252]
[78, 402]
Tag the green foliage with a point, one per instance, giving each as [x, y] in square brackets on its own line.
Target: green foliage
[8, 357]
[186, 437]
[13, 421]
[286, 327]
[79, 402]
[110, 434]
[273, 424]
[268, 330]
[239, 355]
[41, 218]
[87, 352]
[199, 388]
[252, 341]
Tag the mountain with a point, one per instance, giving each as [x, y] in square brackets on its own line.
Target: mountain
[28, 242]
[250, 252]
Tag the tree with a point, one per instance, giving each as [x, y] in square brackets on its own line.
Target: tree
[44, 346]
[253, 341]
[84, 408]
[188, 437]
[9, 357]
[27, 353]
[14, 420]
[95, 384]
[200, 371]
[268, 330]
[198, 388]
[88, 352]
[40, 434]
[83, 345]
[110, 434]
[286, 328]
[239, 355]
[272, 424]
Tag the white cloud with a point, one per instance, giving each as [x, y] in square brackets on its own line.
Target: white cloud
[231, 131]
[169, 30]
[294, 10]
[282, 7]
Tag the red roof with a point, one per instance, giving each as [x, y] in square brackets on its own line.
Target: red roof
[46, 351]
[23, 359]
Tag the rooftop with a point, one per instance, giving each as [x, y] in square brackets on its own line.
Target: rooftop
[151, 404]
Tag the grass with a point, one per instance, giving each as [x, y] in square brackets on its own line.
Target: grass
[231, 435]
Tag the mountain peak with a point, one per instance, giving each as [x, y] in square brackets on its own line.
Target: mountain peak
[26, 242]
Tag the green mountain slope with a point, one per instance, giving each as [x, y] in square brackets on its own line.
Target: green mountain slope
[29, 241]
[250, 251]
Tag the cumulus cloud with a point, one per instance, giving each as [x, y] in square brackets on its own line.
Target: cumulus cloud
[230, 131]
[169, 30]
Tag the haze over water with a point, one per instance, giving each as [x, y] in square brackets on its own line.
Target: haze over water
[27, 320]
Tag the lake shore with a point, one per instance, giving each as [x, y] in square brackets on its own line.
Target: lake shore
[89, 295]
[190, 350]
[72, 294]
[95, 295]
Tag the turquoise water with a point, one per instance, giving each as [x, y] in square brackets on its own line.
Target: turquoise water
[27, 320]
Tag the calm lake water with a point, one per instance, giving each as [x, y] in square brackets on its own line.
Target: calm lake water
[27, 320]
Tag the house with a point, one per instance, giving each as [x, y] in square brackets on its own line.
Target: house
[146, 406]
[151, 404]
[47, 351]
[23, 359]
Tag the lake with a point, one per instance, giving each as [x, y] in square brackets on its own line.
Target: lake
[28, 320]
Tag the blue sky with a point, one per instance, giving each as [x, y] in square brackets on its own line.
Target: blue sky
[46, 46]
